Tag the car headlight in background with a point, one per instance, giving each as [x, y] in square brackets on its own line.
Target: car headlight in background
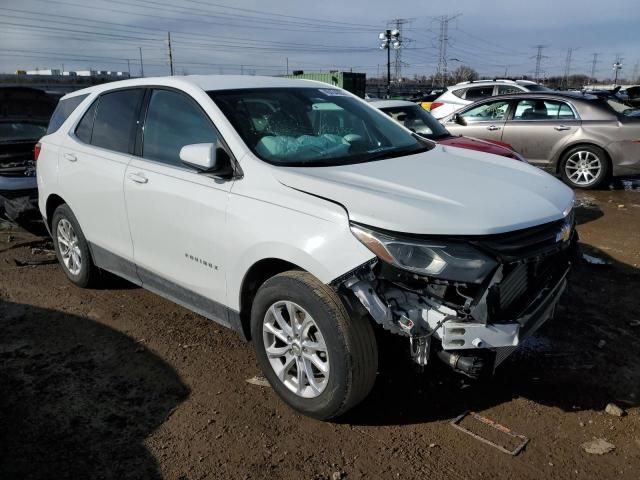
[456, 261]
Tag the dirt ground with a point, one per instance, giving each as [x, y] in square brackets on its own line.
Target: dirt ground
[117, 383]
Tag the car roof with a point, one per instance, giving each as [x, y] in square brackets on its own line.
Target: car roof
[206, 83]
[392, 103]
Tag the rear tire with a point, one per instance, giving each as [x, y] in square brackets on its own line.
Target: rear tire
[585, 167]
[72, 248]
[336, 352]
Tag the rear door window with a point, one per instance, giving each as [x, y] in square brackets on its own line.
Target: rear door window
[113, 126]
[537, 109]
[65, 107]
[478, 93]
[506, 89]
[173, 121]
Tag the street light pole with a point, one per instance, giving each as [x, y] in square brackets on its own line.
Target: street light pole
[388, 66]
[389, 39]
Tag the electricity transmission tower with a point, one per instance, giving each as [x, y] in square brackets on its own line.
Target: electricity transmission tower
[442, 73]
[397, 24]
[539, 58]
[594, 63]
[567, 67]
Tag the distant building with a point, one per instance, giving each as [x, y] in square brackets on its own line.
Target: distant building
[74, 73]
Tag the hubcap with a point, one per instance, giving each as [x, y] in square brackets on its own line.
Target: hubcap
[296, 349]
[68, 246]
[583, 168]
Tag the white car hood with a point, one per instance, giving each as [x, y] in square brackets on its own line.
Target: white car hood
[445, 191]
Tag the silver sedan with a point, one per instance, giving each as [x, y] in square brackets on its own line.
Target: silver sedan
[583, 138]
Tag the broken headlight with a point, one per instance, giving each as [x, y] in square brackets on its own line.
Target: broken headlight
[456, 261]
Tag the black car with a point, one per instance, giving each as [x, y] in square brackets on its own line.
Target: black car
[24, 116]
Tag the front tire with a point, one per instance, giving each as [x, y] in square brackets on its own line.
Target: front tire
[72, 248]
[320, 360]
[584, 166]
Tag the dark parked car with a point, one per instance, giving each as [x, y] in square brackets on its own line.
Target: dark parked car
[582, 137]
[24, 116]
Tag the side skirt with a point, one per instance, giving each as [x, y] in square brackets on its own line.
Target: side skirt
[193, 301]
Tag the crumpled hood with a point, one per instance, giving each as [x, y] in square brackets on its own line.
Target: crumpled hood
[445, 191]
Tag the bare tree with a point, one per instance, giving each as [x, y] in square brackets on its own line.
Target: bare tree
[463, 73]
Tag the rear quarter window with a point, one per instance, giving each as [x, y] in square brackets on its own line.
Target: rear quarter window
[65, 107]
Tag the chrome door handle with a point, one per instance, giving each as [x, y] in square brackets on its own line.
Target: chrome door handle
[493, 128]
[560, 128]
[71, 157]
[138, 178]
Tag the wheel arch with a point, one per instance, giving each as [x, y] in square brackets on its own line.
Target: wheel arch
[582, 143]
[256, 275]
[53, 202]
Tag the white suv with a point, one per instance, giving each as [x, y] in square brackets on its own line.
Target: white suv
[300, 216]
[465, 93]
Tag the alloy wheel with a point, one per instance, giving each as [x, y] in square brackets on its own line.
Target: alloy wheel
[69, 247]
[296, 349]
[583, 168]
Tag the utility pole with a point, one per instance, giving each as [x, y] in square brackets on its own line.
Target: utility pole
[170, 53]
[539, 58]
[141, 64]
[634, 75]
[389, 39]
[567, 67]
[442, 51]
[594, 63]
[129, 67]
[616, 68]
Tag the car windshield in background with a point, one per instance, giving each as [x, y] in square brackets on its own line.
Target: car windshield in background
[313, 127]
[416, 119]
[21, 131]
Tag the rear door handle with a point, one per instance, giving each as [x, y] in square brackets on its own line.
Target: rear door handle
[71, 157]
[493, 128]
[138, 178]
[560, 128]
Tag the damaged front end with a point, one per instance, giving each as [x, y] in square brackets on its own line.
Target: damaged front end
[470, 300]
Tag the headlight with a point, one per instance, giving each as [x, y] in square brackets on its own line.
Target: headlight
[456, 261]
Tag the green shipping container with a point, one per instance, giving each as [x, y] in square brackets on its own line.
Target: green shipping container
[352, 82]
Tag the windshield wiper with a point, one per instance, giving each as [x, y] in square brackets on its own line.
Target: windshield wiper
[398, 152]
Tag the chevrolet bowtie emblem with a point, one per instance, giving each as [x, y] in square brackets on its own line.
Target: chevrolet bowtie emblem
[564, 234]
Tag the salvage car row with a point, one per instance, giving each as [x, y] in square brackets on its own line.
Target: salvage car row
[583, 137]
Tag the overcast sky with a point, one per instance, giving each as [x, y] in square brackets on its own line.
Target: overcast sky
[257, 37]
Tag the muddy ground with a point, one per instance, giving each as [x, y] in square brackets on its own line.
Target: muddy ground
[117, 383]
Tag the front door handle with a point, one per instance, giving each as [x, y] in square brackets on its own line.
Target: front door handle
[138, 178]
[493, 128]
[560, 128]
[71, 157]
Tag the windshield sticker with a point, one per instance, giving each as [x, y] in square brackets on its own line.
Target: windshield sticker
[333, 92]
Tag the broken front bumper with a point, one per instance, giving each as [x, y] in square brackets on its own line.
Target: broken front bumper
[470, 324]
[464, 335]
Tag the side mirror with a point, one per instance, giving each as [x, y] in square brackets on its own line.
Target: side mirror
[459, 119]
[207, 158]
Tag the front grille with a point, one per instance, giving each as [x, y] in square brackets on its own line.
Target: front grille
[525, 243]
[522, 282]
